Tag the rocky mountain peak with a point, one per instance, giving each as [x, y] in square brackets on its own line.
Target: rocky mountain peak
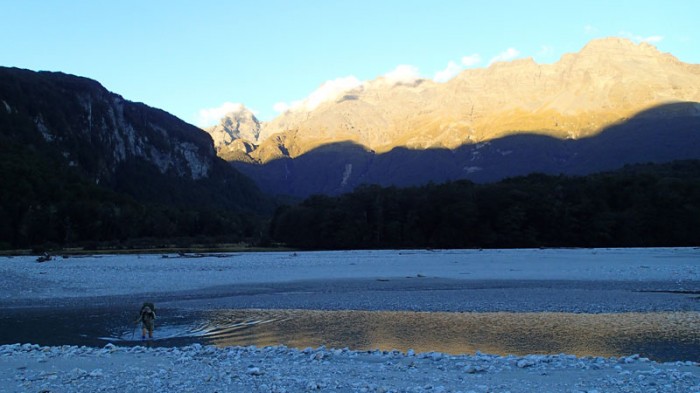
[617, 44]
[237, 124]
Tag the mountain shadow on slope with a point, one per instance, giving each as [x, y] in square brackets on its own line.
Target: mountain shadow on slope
[660, 134]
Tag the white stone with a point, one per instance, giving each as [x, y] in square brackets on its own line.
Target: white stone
[255, 371]
[525, 363]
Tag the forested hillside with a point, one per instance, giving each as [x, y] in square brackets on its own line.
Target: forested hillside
[81, 166]
[638, 206]
[45, 204]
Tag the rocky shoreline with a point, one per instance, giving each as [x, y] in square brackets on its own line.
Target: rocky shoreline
[197, 368]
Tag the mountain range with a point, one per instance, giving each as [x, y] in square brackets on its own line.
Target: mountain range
[612, 103]
[79, 163]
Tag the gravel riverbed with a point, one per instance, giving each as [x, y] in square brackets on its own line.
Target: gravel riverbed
[666, 279]
[196, 368]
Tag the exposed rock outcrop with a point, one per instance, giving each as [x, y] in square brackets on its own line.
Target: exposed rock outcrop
[237, 132]
[122, 145]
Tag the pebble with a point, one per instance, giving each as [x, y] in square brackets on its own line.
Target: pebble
[255, 371]
[523, 363]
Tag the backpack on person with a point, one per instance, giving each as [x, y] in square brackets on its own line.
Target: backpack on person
[148, 308]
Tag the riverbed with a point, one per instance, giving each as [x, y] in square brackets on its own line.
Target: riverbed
[596, 306]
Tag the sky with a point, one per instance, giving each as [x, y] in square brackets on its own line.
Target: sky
[199, 59]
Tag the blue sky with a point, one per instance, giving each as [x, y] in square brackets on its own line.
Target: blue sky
[197, 58]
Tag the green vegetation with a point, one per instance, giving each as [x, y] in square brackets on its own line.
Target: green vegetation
[45, 204]
[48, 206]
[645, 205]
[63, 184]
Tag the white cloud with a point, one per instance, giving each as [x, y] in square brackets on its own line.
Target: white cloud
[545, 50]
[281, 107]
[507, 55]
[638, 38]
[329, 90]
[590, 30]
[403, 73]
[211, 116]
[452, 70]
[471, 60]
[653, 39]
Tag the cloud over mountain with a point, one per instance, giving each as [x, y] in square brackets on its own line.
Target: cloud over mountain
[476, 104]
[471, 60]
[507, 55]
[452, 70]
[404, 74]
[210, 116]
[335, 88]
[329, 90]
[652, 39]
[394, 127]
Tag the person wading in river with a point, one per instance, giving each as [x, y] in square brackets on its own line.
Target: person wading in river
[147, 317]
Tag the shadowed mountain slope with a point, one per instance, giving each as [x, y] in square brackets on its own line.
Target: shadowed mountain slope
[112, 142]
[665, 133]
[414, 131]
[78, 163]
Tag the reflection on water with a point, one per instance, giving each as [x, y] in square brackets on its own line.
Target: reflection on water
[660, 336]
[664, 336]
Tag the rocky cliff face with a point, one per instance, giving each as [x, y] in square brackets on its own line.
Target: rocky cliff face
[608, 82]
[111, 141]
[236, 134]
[98, 130]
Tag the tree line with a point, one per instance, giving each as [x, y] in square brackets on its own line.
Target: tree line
[46, 205]
[638, 206]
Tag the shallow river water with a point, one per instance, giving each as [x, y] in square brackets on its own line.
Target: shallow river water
[666, 336]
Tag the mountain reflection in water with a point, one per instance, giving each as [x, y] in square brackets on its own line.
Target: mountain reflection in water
[663, 336]
[660, 336]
